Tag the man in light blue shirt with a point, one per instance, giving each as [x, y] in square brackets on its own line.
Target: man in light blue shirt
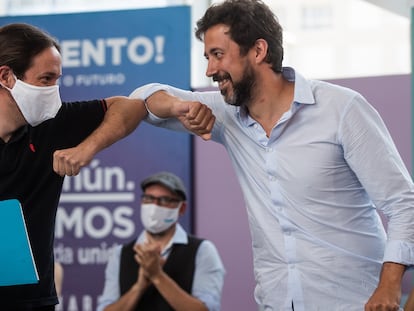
[164, 269]
[315, 162]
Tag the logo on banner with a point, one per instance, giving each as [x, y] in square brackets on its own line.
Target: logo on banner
[105, 52]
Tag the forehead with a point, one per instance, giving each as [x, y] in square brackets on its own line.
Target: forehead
[159, 188]
[47, 61]
[218, 36]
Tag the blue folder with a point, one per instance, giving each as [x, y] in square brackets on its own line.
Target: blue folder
[17, 265]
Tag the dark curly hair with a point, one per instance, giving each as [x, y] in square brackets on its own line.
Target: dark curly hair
[248, 20]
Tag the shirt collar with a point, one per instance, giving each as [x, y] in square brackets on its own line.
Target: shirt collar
[179, 237]
[302, 93]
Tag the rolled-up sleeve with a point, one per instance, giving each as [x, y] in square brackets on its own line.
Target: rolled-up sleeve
[371, 153]
[209, 276]
[111, 291]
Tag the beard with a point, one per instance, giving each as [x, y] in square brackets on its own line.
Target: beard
[242, 90]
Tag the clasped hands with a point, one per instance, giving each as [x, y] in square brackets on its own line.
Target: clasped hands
[148, 256]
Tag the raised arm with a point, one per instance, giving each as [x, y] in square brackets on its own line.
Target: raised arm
[122, 117]
[193, 115]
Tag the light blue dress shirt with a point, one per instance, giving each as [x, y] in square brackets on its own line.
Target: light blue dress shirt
[208, 276]
[312, 189]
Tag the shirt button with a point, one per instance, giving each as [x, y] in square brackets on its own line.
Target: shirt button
[292, 266]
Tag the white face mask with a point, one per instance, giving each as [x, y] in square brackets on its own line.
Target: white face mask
[37, 103]
[156, 219]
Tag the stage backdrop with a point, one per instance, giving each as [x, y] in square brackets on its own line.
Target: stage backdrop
[106, 54]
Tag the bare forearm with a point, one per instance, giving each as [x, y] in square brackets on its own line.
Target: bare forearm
[392, 273]
[165, 105]
[128, 301]
[409, 304]
[122, 117]
[194, 116]
[388, 292]
[178, 299]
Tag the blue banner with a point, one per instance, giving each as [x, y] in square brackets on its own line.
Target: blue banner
[106, 54]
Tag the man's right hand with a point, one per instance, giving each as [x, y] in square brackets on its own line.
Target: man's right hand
[196, 117]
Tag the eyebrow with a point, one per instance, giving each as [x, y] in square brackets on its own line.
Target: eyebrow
[50, 74]
[211, 51]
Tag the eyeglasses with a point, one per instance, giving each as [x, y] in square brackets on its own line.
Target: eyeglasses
[163, 201]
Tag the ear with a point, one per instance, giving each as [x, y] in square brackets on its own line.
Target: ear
[6, 76]
[183, 208]
[260, 49]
